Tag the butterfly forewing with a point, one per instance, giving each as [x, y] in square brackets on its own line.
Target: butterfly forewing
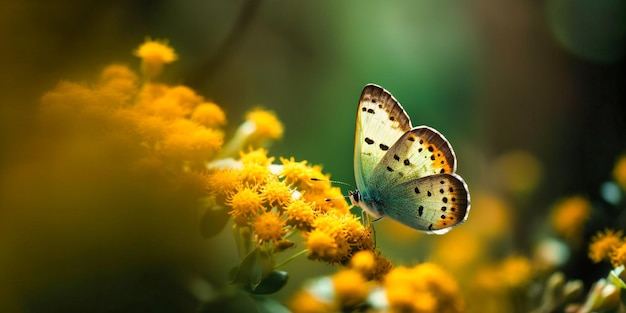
[380, 122]
[418, 153]
[433, 203]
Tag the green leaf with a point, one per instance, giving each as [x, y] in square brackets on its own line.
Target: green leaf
[249, 272]
[275, 281]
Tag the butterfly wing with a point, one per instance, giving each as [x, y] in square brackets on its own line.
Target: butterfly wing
[432, 204]
[415, 184]
[420, 152]
[380, 121]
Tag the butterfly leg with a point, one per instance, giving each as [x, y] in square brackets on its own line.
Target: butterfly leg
[367, 223]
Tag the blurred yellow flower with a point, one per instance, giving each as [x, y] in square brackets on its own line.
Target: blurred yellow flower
[618, 256]
[364, 262]
[306, 302]
[603, 244]
[350, 287]
[568, 217]
[493, 216]
[221, 183]
[267, 125]
[154, 54]
[260, 128]
[516, 272]
[424, 288]
[518, 171]
[619, 171]
[209, 115]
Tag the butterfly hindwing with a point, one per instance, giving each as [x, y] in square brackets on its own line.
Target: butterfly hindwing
[380, 121]
[432, 204]
[420, 152]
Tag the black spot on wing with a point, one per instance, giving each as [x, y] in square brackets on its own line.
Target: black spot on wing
[383, 147]
[369, 141]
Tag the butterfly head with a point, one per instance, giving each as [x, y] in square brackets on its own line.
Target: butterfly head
[356, 198]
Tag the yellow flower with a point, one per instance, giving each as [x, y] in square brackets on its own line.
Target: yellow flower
[349, 236]
[618, 256]
[518, 171]
[154, 54]
[305, 302]
[245, 203]
[350, 287]
[119, 82]
[223, 182]
[516, 272]
[364, 262]
[298, 173]
[188, 141]
[255, 174]
[569, 216]
[268, 226]
[603, 243]
[321, 245]
[276, 193]
[267, 125]
[424, 288]
[383, 266]
[301, 214]
[209, 115]
[256, 156]
[619, 171]
[152, 129]
[260, 128]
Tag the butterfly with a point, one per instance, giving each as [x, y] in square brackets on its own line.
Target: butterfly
[405, 172]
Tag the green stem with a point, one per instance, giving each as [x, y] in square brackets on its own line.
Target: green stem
[291, 258]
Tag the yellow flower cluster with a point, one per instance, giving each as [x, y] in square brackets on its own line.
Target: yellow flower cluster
[423, 288]
[276, 200]
[167, 127]
[608, 245]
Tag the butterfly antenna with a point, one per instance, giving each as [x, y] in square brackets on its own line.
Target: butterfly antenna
[334, 182]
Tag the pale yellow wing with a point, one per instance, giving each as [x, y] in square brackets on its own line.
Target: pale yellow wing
[380, 122]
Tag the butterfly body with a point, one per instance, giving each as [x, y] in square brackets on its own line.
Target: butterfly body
[403, 172]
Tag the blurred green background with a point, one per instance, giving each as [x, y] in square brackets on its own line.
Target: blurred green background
[542, 77]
